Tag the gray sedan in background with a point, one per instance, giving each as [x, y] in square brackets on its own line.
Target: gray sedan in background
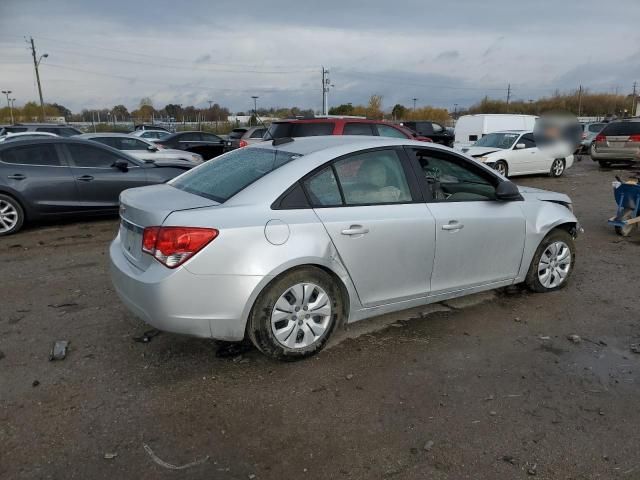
[286, 240]
[64, 177]
[141, 148]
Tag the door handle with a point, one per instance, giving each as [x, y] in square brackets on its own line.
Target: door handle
[85, 178]
[453, 225]
[355, 230]
[17, 176]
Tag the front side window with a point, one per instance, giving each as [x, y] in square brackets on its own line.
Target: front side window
[451, 179]
[31, 155]
[130, 144]
[528, 140]
[87, 156]
[190, 137]
[387, 131]
[221, 178]
[372, 178]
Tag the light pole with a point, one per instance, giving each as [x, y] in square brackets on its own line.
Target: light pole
[414, 104]
[455, 110]
[255, 106]
[7, 92]
[36, 64]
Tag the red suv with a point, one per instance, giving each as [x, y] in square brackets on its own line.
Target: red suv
[313, 127]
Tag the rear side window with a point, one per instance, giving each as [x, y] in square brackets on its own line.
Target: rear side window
[373, 178]
[31, 155]
[355, 128]
[596, 127]
[283, 129]
[221, 178]
[259, 133]
[14, 129]
[237, 133]
[87, 156]
[190, 137]
[387, 131]
[130, 144]
[323, 189]
[622, 128]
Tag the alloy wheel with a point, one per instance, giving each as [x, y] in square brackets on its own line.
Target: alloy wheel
[501, 168]
[8, 216]
[301, 316]
[558, 167]
[554, 264]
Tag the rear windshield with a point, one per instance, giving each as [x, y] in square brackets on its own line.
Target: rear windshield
[596, 127]
[237, 133]
[622, 128]
[285, 129]
[221, 178]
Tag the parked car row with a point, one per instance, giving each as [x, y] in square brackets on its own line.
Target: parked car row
[53, 177]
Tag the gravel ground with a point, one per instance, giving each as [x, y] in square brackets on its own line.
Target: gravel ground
[487, 388]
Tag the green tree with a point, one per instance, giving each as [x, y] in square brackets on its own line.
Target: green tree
[344, 109]
[398, 112]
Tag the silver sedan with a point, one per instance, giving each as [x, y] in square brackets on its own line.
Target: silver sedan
[284, 241]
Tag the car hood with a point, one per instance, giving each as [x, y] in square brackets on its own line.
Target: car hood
[479, 151]
[544, 195]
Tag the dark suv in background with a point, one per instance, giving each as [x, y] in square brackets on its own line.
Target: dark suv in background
[61, 130]
[618, 142]
[436, 132]
[318, 126]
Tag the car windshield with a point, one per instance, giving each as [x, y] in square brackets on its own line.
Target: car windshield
[497, 140]
[221, 178]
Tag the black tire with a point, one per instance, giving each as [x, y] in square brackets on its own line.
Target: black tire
[259, 325]
[627, 229]
[604, 163]
[501, 164]
[555, 168]
[532, 281]
[19, 215]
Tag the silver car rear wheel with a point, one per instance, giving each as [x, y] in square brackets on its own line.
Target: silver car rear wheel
[294, 316]
[301, 316]
[554, 265]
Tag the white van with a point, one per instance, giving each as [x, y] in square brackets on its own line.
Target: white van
[470, 128]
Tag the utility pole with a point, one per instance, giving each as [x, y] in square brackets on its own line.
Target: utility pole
[508, 96]
[326, 84]
[255, 107]
[580, 101]
[414, 103]
[7, 93]
[634, 107]
[455, 110]
[36, 64]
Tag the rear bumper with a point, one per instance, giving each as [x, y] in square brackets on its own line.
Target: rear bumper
[630, 155]
[209, 306]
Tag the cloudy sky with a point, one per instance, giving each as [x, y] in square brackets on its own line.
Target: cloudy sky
[106, 52]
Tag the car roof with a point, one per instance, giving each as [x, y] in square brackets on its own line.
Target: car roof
[308, 145]
[104, 134]
[68, 140]
[511, 131]
[334, 120]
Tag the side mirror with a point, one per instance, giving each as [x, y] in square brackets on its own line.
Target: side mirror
[507, 191]
[121, 165]
[520, 146]
[152, 148]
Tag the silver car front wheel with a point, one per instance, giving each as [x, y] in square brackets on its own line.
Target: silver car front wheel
[552, 263]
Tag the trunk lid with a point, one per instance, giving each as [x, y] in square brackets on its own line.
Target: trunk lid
[150, 206]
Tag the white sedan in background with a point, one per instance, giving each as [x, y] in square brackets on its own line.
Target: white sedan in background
[514, 152]
[141, 148]
[25, 136]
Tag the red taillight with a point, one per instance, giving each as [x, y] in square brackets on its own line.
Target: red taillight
[601, 138]
[172, 246]
[243, 143]
[634, 138]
